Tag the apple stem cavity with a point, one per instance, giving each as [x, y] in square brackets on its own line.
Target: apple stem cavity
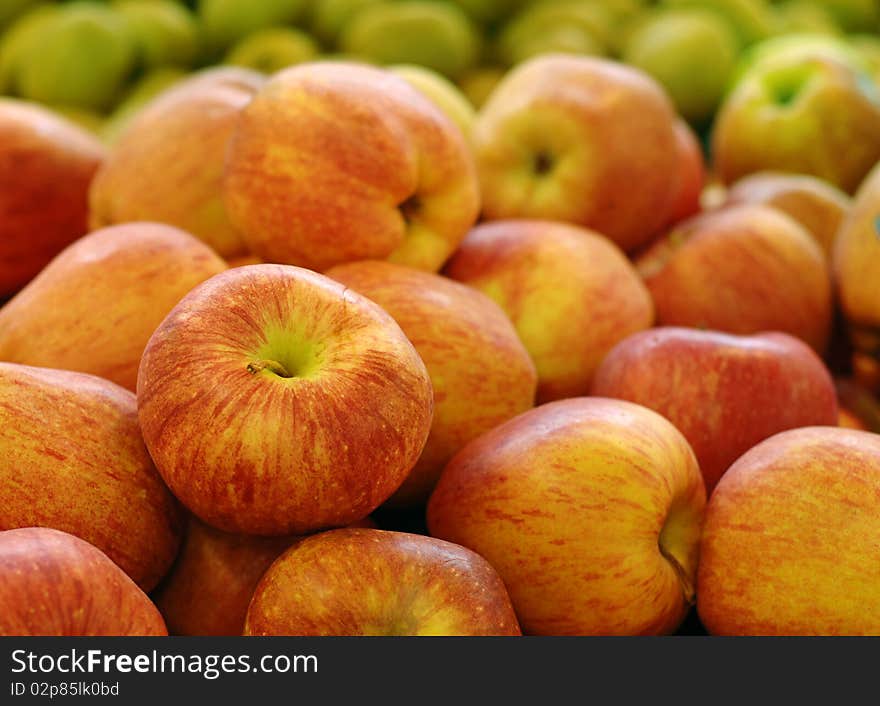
[410, 208]
[543, 163]
[272, 366]
[687, 586]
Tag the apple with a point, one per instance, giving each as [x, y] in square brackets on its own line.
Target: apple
[116, 286]
[742, 269]
[753, 20]
[491, 11]
[725, 393]
[72, 458]
[564, 26]
[692, 175]
[17, 42]
[479, 83]
[327, 19]
[570, 293]
[578, 139]
[211, 584]
[589, 508]
[353, 163]
[824, 105]
[374, 582]
[141, 94]
[817, 205]
[691, 52]
[442, 92]
[224, 22]
[46, 166]
[13, 8]
[165, 32]
[436, 35]
[81, 56]
[854, 15]
[167, 165]
[480, 371]
[55, 584]
[277, 401]
[273, 49]
[789, 544]
[806, 17]
[856, 266]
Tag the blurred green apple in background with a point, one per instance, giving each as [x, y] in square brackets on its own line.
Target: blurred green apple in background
[80, 57]
[16, 42]
[692, 53]
[806, 16]
[224, 22]
[328, 18]
[854, 15]
[490, 11]
[563, 26]
[271, 50]
[432, 34]
[477, 84]
[868, 47]
[10, 9]
[442, 92]
[752, 20]
[166, 32]
[137, 97]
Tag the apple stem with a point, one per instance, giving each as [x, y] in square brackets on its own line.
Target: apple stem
[687, 586]
[271, 365]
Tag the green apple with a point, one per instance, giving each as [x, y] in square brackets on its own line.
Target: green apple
[854, 15]
[802, 105]
[868, 46]
[87, 119]
[431, 34]
[691, 53]
[224, 22]
[166, 32]
[271, 50]
[490, 11]
[752, 20]
[16, 42]
[80, 57]
[328, 18]
[572, 27]
[477, 84]
[799, 16]
[442, 92]
[11, 9]
[137, 97]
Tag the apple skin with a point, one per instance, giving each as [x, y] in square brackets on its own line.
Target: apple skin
[828, 111]
[167, 164]
[692, 175]
[210, 587]
[373, 582]
[725, 393]
[335, 161]
[116, 285]
[570, 293]
[817, 205]
[46, 166]
[439, 89]
[589, 508]
[856, 267]
[72, 458]
[789, 544]
[480, 371]
[743, 269]
[55, 584]
[567, 138]
[277, 401]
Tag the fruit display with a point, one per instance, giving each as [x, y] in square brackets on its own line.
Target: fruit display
[439, 317]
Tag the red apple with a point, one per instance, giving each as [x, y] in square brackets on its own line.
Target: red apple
[277, 401]
[589, 508]
[55, 584]
[790, 541]
[725, 393]
[691, 174]
[46, 166]
[743, 269]
[570, 293]
[480, 372]
[373, 582]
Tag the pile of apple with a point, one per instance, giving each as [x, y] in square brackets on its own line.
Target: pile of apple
[99, 61]
[282, 317]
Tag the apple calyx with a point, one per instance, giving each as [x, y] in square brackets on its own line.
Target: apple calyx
[542, 163]
[409, 208]
[272, 366]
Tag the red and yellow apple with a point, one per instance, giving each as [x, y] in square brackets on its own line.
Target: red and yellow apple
[725, 393]
[480, 371]
[72, 458]
[374, 582]
[276, 401]
[692, 175]
[743, 269]
[578, 139]
[46, 166]
[589, 508]
[790, 540]
[570, 293]
[95, 306]
[55, 584]
[333, 162]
